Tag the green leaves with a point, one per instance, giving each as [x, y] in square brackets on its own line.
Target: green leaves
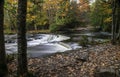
[101, 14]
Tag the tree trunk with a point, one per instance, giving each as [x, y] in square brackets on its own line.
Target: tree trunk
[3, 64]
[35, 26]
[22, 44]
[113, 22]
[118, 22]
[12, 23]
[119, 35]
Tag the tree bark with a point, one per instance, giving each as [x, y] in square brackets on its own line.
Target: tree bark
[3, 64]
[22, 44]
[113, 22]
[118, 21]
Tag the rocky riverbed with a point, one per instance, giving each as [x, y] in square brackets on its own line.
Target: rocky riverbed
[97, 61]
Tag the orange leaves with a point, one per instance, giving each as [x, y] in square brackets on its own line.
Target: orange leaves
[84, 5]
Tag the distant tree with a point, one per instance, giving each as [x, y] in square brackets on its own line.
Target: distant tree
[10, 15]
[3, 65]
[101, 15]
[22, 44]
[115, 21]
[84, 9]
[106, 14]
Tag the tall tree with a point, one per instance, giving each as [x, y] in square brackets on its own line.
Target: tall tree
[3, 65]
[22, 44]
[115, 21]
[10, 15]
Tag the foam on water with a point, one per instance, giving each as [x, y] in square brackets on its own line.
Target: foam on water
[43, 43]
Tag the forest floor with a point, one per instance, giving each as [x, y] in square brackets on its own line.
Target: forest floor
[86, 62]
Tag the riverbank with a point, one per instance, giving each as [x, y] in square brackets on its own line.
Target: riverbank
[85, 62]
[29, 32]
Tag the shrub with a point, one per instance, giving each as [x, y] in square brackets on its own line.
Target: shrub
[57, 26]
[84, 41]
[10, 57]
[54, 27]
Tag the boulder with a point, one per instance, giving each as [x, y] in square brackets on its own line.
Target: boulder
[107, 72]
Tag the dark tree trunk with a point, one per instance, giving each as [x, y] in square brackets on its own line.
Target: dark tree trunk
[119, 22]
[116, 22]
[113, 22]
[22, 44]
[3, 65]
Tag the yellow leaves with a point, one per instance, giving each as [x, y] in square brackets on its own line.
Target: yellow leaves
[107, 20]
[105, 5]
[67, 4]
[61, 7]
[30, 17]
[12, 1]
[71, 7]
[45, 22]
[60, 0]
[29, 9]
[108, 11]
[44, 7]
[50, 4]
[42, 22]
[33, 17]
[11, 4]
[66, 9]
[58, 7]
[63, 14]
[55, 4]
[29, 4]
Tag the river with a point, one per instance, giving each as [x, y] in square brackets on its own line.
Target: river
[39, 45]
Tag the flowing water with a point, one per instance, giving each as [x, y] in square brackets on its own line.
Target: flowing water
[39, 45]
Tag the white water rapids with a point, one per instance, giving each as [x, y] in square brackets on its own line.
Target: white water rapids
[41, 44]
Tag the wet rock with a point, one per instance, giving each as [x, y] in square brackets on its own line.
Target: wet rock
[83, 56]
[106, 72]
